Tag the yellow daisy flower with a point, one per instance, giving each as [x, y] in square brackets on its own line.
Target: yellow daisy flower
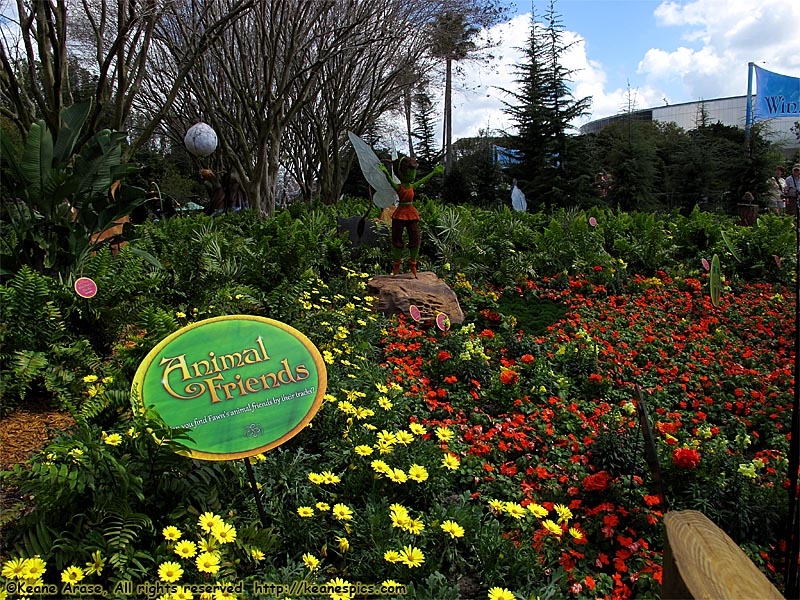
[224, 533]
[454, 529]
[95, 567]
[397, 475]
[414, 526]
[392, 556]
[380, 467]
[208, 520]
[342, 512]
[72, 574]
[538, 510]
[412, 557]
[417, 429]
[185, 549]
[310, 561]
[113, 439]
[330, 478]
[444, 434]
[323, 506]
[418, 473]
[451, 461]
[34, 568]
[181, 593]
[575, 533]
[564, 514]
[14, 568]
[305, 511]
[169, 571]
[363, 450]
[498, 593]
[514, 510]
[207, 562]
[404, 437]
[171, 533]
[552, 527]
[343, 586]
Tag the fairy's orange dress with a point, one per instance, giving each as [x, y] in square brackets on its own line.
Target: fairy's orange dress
[405, 209]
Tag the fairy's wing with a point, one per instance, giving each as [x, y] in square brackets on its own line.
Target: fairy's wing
[518, 200]
[371, 168]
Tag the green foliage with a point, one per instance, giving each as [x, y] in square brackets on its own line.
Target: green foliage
[60, 199]
[114, 492]
[109, 486]
[39, 355]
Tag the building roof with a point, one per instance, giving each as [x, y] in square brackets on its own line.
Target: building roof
[687, 115]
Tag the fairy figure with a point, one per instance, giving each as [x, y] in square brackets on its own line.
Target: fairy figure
[395, 189]
[406, 217]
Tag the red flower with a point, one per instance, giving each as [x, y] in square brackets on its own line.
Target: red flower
[597, 482]
[443, 356]
[507, 377]
[526, 358]
[652, 500]
[685, 458]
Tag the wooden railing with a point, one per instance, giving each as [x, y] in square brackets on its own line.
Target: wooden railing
[701, 561]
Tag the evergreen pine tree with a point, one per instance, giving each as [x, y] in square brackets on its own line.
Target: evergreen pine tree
[542, 111]
[424, 130]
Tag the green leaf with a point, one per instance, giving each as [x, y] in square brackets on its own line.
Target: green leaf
[72, 121]
[730, 246]
[715, 281]
[37, 166]
[143, 254]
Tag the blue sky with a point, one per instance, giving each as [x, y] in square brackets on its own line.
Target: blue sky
[666, 50]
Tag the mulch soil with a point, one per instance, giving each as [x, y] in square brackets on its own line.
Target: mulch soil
[22, 432]
[27, 429]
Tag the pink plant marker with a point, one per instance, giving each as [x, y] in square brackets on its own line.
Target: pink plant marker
[85, 287]
[706, 266]
[592, 221]
[443, 321]
[414, 312]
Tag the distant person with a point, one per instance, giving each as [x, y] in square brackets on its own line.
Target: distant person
[776, 191]
[603, 183]
[228, 196]
[792, 188]
[748, 209]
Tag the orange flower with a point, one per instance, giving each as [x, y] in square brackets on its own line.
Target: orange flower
[508, 377]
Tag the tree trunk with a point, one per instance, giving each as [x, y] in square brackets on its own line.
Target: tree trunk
[448, 117]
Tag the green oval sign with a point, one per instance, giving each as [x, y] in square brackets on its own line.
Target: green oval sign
[242, 384]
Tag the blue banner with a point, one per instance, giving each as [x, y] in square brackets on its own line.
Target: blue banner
[776, 95]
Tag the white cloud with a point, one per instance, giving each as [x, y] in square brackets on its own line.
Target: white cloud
[480, 104]
[727, 34]
[713, 42]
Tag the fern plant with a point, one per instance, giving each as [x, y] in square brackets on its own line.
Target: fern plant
[114, 491]
[39, 357]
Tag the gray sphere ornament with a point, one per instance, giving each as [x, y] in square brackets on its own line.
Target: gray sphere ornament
[200, 139]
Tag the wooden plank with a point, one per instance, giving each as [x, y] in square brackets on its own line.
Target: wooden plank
[702, 561]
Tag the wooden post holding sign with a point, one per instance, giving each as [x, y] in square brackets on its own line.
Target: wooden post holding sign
[650, 450]
[242, 384]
